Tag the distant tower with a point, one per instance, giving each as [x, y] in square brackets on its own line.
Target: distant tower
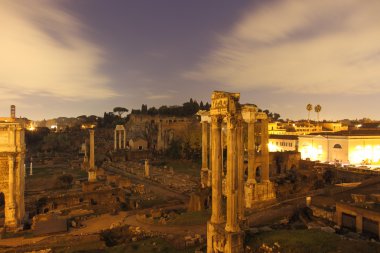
[13, 111]
[309, 107]
[144, 108]
[317, 109]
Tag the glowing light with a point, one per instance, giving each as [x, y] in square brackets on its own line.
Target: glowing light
[308, 151]
[365, 155]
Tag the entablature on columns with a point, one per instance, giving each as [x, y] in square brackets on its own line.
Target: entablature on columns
[119, 128]
[204, 115]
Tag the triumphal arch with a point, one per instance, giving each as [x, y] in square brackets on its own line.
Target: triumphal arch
[12, 173]
[242, 185]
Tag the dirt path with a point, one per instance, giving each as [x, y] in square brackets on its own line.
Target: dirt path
[168, 229]
[20, 241]
[95, 225]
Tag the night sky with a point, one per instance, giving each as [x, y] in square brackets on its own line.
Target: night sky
[71, 57]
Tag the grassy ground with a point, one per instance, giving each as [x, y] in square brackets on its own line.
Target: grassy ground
[191, 218]
[186, 167]
[311, 241]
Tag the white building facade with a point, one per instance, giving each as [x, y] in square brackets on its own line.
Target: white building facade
[358, 147]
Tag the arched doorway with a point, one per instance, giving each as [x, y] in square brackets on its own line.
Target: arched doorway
[337, 153]
[258, 174]
[2, 209]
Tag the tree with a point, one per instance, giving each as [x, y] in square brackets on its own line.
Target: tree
[120, 110]
[309, 107]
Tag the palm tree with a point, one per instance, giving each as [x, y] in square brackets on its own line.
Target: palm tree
[317, 109]
[309, 107]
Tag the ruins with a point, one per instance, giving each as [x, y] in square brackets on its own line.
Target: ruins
[12, 157]
[120, 137]
[225, 233]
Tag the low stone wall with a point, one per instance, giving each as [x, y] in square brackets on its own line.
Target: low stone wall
[323, 213]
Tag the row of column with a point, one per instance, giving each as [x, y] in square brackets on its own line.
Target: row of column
[235, 172]
[120, 139]
[251, 149]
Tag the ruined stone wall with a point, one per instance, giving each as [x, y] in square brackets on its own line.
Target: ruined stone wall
[160, 129]
[281, 162]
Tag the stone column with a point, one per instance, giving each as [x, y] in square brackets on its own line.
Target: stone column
[20, 204]
[119, 139]
[92, 149]
[204, 168]
[216, 161]
[125, 139]
[31, 169]
[240, 167]
[209, 160]
[147, 169]
[115, 140]
[204, 145]
[231, 177]
[251, 152]
[264, 150]
[10, 213]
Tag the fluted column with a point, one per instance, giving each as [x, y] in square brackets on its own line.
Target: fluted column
[115, 140]
[251, 152]
[216, 161]
[232, 177]
[240, 167]
[264, 150]
[92, 149]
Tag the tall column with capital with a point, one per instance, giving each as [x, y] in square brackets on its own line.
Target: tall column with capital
[120, 140]
[240, 167]
[92, 149]
[216, 161]
[232, 177]
[264, 150]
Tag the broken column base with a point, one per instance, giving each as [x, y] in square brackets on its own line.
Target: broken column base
[219, 240]
[258, 192]
[11, 222]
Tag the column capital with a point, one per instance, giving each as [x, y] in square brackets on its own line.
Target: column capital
[11, 157]
[232, 121]
[216, 120]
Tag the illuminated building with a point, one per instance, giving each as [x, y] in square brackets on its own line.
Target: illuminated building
[304, 127]
[281, 143]
[348, 147]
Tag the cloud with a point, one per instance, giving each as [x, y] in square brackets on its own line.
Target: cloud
[318, 47]
[158, 96]
[43, 51]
